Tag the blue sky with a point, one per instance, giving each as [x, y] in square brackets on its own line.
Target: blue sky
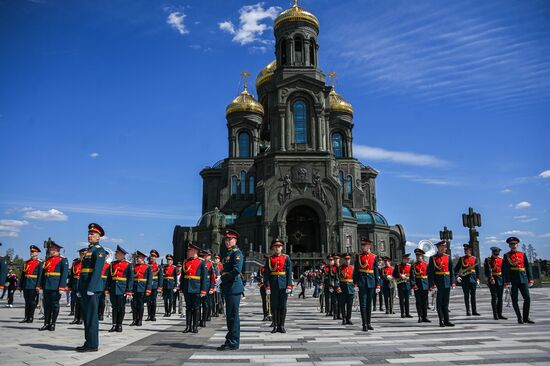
[108, 111]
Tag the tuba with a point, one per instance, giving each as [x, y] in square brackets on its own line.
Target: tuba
[428, 247]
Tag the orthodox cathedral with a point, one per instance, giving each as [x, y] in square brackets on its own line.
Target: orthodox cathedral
[290, 171]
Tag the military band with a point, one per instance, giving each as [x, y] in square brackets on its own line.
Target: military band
[30, 281]
[200, 278]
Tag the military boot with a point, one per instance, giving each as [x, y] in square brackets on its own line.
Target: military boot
[115, 320]
[187, 321]
[55, 313]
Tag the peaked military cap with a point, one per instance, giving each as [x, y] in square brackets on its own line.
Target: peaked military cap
[495, 249]
[179, 264]
[346, 256]
[419, 251]
[169, 256]
[154, 252]
[120, 249]
[467, 246]
[406, 255]
[366, 241]
[53, 243]
[230, 233]
[512, 240]
[277, 242]
[82, 250]
[93, 227]
[190, 245]
[34, 248]
[386, 258]
[140, 254]
[440, 243]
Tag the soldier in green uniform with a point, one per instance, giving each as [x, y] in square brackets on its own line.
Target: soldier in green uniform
[334, 296]
[402, 274]
[30, 280]
[278, 284]
[54, 280]
[169, 285]
[206, 254]
[120, 284]
[156, 285]
[90, 286]
[143, 279]
[516, 270]
[467, 274]
[232, 288]
[346, 289]
[194, 286]
[74, 276]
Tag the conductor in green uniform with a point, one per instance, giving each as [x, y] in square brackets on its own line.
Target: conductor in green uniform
[232, 288]
[91, 286]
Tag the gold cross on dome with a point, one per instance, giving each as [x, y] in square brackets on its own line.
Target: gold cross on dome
[245, 75]
[332, 76]
[295, 3]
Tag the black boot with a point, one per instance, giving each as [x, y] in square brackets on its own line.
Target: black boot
[364, 319]
[139, 321]
[187, 321]
[275, 320]
[474, 308]
[32, 308]
[196, 317]
[115, 320]
[55, 313]
[47, 318]
[134, 318]
[526, 306]
[282, 321]
[153, 310]
[120, 320]
[26, 318]
[202, 317]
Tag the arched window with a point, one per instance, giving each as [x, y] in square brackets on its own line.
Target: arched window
[244, 145]
[341, 176]
[312, 50]
[234, 188]
[349, 188]
[298, 51]
[251, 185]
[243, 182]
[283, 52]
[300, 122]
[338, 145]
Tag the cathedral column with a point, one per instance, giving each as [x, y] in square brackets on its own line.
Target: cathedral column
[282, 129]
[288, 128]
[314, 134]
[290, 51]
[307, 45]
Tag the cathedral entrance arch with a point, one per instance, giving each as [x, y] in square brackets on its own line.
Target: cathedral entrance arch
[303, 230]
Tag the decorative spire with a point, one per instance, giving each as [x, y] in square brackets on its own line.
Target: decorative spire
[245, 75]
[295, 3]
[332, 76]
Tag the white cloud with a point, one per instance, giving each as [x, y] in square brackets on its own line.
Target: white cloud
[400, 157]
[547, 235]
[428, 180]
[175, 20]
[49, 215]
[107, 239]
[11, 228]
[506, 190]
[525, 218]
[251, 26]
[522, 204]
[545, 174]
[94, 155]
[518, 232]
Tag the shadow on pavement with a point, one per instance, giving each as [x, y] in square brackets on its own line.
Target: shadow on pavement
[50, 347]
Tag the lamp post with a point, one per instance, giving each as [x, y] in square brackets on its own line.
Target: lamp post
[447, 235]
[471, 220]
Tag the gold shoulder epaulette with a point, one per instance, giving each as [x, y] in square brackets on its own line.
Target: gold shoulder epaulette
[98, 246]
[235, 249]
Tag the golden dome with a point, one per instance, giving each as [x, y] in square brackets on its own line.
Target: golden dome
[245, 102]
[296, 14]
[339, 104]
[266, 74]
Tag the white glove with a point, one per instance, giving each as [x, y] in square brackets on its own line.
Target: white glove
[459, 279]
[61, 292]
[78, 294]
[175, 290]
[403, 276]
[531, 284]
[288, 290]
[203, 295]
[89, 293]
[331, 290]
[377, 290]
[268, 292]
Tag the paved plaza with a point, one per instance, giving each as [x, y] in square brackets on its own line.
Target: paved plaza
[311, 339]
